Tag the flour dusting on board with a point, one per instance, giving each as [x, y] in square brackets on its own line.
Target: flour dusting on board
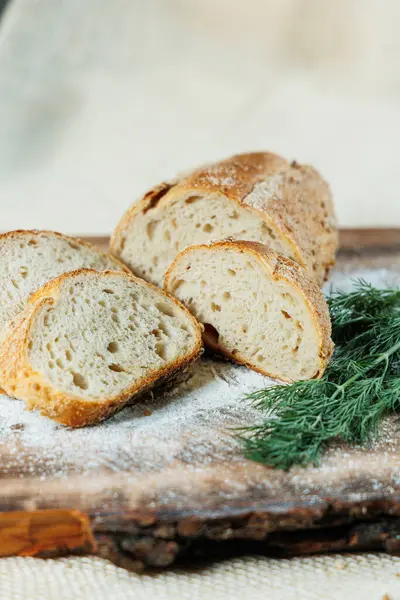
[190, 424]
[150, 435]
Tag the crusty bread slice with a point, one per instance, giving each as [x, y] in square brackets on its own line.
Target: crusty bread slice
[258, 197]
[88, 341]
[258, 308]
[31, 258]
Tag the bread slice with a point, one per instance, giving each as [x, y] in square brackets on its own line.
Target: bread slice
[258, 197]
[29, 259]
[258, 308]
[88, 341]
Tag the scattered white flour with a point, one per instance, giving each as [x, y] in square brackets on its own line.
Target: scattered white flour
[380, 278]
[224, 176]
[190, 424]
[221, 181]
[265, 191]
[146, 436]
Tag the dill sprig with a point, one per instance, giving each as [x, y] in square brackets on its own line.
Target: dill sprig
[360, 385]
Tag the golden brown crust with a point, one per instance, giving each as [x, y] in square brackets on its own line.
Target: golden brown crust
[293, 199]
[279, 268]
[72, 240]
[20, 380]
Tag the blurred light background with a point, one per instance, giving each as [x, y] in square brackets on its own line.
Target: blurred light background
[100, 99]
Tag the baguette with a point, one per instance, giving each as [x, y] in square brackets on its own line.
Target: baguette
[258, 308]
[88, 341]
[258, 197]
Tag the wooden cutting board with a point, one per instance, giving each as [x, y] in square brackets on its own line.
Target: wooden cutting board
[164, 480]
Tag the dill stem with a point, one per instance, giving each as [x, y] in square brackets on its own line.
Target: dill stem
[380, 358]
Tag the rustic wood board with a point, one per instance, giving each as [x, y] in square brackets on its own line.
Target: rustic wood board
[164, 480]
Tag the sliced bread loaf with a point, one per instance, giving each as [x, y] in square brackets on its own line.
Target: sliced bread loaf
[258, 308]
[88, 341]
[258, 197]
[29, 259]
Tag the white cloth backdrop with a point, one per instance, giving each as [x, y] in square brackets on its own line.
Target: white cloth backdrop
[348, 577]
[100, 99]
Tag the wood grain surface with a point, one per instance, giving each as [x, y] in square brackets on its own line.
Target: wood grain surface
[164, 480]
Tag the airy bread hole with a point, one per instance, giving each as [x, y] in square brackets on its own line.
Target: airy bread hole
[68, 355]
[73, 245]
[80, 380]
[59, 363]
[227, 296]
[231, 272]
[163, 328]
[268, 231]
[286, 314]
[113, 347]
[234, 215]
[150, 227]
[260, 358]
[177, 284]
[50, 349]
[155, 260]
[160, 350]
[115, 317]
[215, 307]
[211, 333]
[23, 271]
[32, 243]
[165, 309]
[192, 199]
[102, 303]
[203, 283]
[245, 328]
[15, 284]
[208, 227]
[108, 291]
[116, 368]
[167, 236]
